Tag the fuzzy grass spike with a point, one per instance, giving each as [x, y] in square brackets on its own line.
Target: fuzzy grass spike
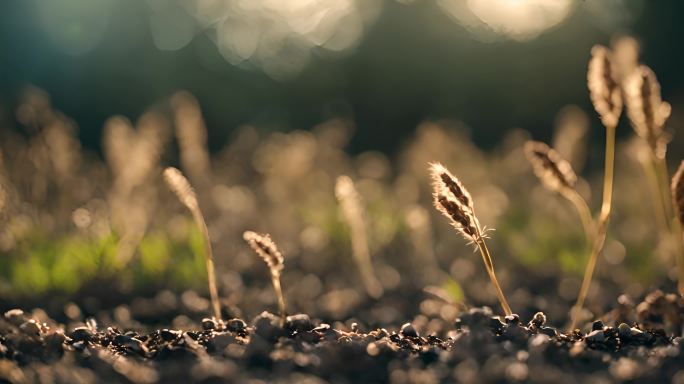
[453, 200]
[265, 248]
[557, 175]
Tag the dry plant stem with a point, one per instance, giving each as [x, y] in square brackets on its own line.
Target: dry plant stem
[352, 212]
[361, 254]
[675, 230]
[657, 195]
[583, 211]
[180, 186]
[487, 258]
[679, 259]
[662, 173]
[275, 278]
[677, 193]
[602, 224]
[209, 261]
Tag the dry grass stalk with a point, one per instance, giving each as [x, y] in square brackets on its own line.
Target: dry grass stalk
[648, 113]
[118, 137]
[606, 96]
[352, 211]
[453, 200]
[133, 157]
[267, 250]
[180, 186]
[192, 138]
[557, 175]
[677, 191]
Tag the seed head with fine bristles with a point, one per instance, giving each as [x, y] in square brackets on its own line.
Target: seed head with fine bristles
[266, 249]
[454, 201]
[555, 173]
[181, 187]
[645, 108]
[603, 86]
[678, 192]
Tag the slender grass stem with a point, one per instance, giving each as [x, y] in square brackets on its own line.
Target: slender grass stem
[602, 224]
[583, 211]
[679, 259]
[350, 202]
[275, 277]
[489, 266]
[361, 254]
[656, 195]
[674, 231]
[209, 261]
[662, 174]
[180, 186]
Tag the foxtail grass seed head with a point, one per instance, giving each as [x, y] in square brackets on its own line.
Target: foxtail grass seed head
[554, 172]
[453, 200]
[646, 110]
[345, 191]
[266, 249]
[678, 192]
[442, 176]
[181, 187]
[626, 55]
[604, 88]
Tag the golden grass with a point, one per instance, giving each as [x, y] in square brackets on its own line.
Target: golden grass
[453, 200]
[606, 96]
[352, 211]
[265, 248]
[180, 186]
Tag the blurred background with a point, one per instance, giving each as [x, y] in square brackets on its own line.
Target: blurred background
[264, 104]
[290, 64]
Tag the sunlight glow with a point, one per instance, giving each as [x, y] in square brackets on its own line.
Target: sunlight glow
[279, 36]
[515, 19]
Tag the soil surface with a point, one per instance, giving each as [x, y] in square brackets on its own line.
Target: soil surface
[479, 347]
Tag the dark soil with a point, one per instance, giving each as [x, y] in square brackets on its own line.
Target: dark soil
[480, 347]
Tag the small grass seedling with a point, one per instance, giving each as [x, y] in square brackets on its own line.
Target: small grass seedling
[268, 251]
[648, 113]
[180, 186]
[350, 204]
[606, 96]
[454, 201]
